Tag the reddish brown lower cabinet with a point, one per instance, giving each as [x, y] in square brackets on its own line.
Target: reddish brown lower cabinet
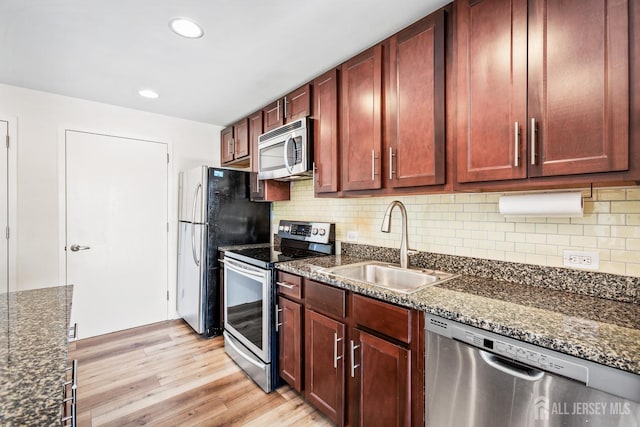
[324, 364]
[289, 342]
[384, 371]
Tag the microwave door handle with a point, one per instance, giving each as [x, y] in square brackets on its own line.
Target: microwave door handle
[286, 160]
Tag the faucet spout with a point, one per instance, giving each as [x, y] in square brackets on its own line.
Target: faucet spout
[386, 228]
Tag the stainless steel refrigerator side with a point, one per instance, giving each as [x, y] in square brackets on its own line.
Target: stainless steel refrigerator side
[189, 298]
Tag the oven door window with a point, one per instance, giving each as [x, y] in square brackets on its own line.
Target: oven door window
[272, 157]
[244, 306]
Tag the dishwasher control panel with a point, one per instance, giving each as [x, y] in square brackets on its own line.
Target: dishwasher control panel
[510, 349]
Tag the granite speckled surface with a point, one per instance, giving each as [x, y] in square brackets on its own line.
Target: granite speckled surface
[582, 282]
[596, 329]
[33, 355]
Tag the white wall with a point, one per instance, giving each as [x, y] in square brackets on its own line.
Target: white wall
[40, 118]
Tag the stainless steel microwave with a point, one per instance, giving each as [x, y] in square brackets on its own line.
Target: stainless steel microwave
[286, 153]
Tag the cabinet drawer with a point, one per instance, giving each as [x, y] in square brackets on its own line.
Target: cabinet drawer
[325, 299]
[384, 318]
[289, 284]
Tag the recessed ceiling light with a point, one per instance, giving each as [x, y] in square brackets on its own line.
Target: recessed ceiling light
[186, 28]
[148, 93]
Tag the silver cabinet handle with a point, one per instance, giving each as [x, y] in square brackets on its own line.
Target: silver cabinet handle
[278, 110]
[285, 285]
[391, 162]
[278, 323]
[285, 108]
[335, 350]
[352, 353]
[229, 145]
[76, 248]
[533, 141]
[516, 141]
[373, 165]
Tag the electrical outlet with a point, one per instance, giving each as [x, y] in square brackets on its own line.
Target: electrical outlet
[578, 259]
[352, 236]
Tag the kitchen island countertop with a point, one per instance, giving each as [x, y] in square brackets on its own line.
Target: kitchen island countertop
[33, 340]
[591, 328]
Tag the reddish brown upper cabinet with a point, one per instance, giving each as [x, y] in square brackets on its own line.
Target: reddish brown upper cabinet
[226, 145]
[415, 105]
[361, 121]
[273, 115]
[325, 128]
[234, 144]
[543, 88]
[292, 106]
[297, 104]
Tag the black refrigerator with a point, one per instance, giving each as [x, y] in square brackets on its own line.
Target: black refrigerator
[215, 210]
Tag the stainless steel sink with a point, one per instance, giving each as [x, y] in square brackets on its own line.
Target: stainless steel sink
[390, 276]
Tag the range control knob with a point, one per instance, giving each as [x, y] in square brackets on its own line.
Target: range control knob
[322, 232]
[286, 228]
[281, 228]
[314, 231]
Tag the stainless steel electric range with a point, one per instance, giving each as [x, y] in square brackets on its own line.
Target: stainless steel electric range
[250, 294]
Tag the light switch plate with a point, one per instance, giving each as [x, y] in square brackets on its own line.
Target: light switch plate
[580, 259]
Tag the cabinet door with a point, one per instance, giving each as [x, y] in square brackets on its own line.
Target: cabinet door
[273, 116]
[578, 86]
[325, 142]
[385, 383]
[226, 145]
[415, 102]
[297, 104]
[289, 342]
[241, 139]
[491, 90]
[361, 124]
[324, 380]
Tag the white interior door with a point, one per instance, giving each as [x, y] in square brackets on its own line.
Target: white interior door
[4, 207]
[116, 212]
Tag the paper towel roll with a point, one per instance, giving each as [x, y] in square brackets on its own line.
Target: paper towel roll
[542, 204]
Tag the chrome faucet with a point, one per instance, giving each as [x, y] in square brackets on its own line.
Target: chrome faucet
[386, 228]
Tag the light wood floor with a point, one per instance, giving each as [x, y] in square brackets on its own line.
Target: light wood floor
[166, 375]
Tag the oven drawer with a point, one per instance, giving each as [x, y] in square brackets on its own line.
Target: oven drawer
[289, 284]
[382, 317]
[325, 299]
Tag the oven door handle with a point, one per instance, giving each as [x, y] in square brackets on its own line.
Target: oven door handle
[244, 269]
[244, 355]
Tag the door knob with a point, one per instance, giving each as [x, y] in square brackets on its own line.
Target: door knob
[76, 248]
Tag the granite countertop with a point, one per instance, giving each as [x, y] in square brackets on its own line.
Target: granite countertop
[596, 329]
[33, 355]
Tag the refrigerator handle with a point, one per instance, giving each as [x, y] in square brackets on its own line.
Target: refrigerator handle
[193, 228]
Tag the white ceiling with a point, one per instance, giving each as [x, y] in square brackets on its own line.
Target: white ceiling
[253, 51]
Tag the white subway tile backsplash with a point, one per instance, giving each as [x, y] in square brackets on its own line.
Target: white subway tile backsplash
[470, 225]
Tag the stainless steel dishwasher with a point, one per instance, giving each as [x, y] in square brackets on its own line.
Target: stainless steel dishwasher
[478, 378]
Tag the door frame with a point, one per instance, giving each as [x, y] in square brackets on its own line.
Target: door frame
[62, 195]
[12, 198]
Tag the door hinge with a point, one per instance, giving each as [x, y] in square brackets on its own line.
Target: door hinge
[167, 227]
[167, 295]
[7, 141]
[7, 232]
[167, 157]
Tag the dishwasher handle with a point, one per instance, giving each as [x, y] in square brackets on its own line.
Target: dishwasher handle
[527, 374]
